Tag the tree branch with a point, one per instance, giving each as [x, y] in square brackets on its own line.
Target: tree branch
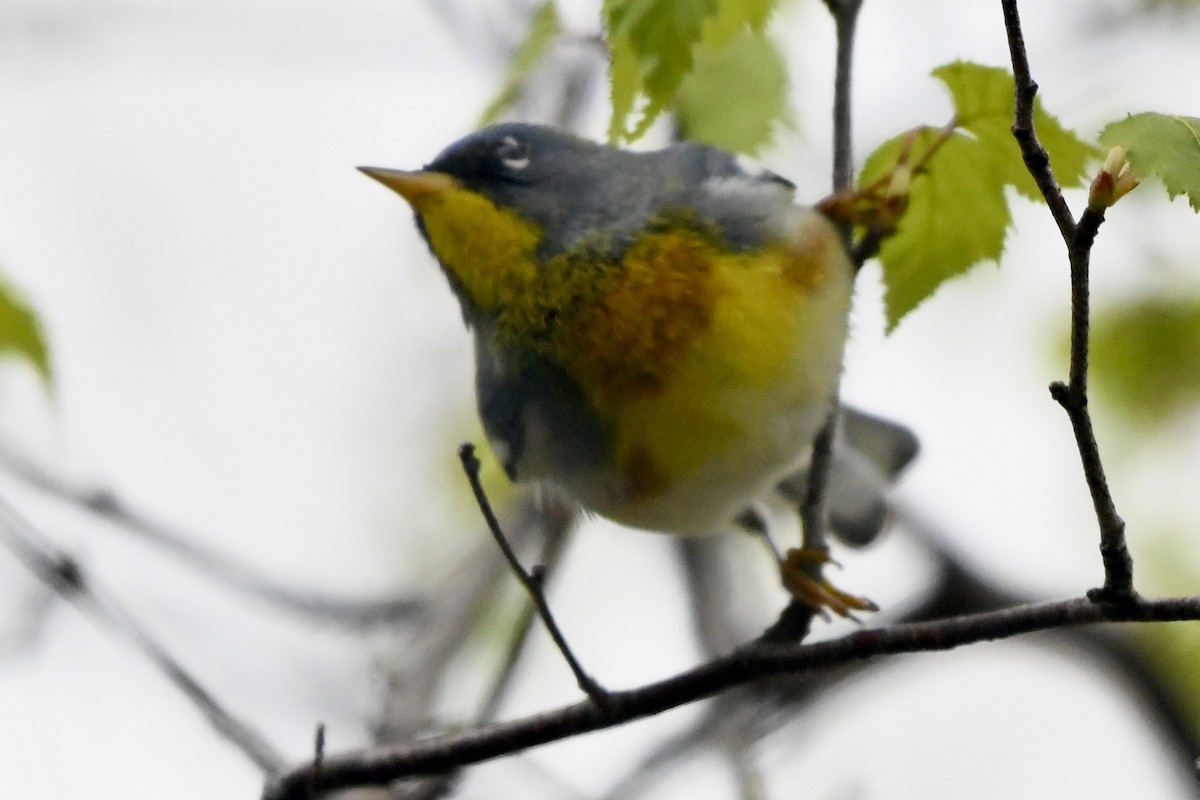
[1072, 396]
[845, 18]
[752, 662]
[532, 581]
[1037, 160]
[107, 505]
[66, 577]
[796, 620]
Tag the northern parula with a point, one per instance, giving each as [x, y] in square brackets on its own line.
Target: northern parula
[657, 334]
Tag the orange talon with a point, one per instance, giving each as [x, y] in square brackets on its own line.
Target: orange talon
[815, 591]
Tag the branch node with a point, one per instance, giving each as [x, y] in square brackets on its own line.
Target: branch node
[1122, 601]
[102, 501]
[67, 575]
[755, 661]
[1079, 237]
[1118, 567]
[1062, 395]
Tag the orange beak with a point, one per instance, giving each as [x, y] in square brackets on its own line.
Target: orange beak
[414, 186]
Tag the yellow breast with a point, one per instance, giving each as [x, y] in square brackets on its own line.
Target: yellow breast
[711, 369]
[714, 369]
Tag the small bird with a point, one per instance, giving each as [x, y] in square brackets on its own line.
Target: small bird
[658, 335]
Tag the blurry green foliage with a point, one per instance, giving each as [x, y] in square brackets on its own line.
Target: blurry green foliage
[544, 28]
[1173, 648]
[655, 44]
[21, 333]
[735, 96]
[1162, 145]
[958, 212]
[712, 65]
[1145, 358]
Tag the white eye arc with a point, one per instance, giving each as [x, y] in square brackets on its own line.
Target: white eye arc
[512, 154]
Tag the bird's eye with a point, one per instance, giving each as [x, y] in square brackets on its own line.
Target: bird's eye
[512, 154]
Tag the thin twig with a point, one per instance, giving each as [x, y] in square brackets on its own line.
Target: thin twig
[956, 590]
[437, 786]
[552, 550]
[868, 246]
[185, 547]
[1037, 160]
[318, 757]
[1073, 395]
[753, 662]
[796, 620]
[813, 511]
[845, 17]
[65, 575]
[532, 581]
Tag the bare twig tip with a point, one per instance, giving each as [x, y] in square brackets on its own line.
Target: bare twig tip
[319, 746]
[470, 461]
[318, 762]
[1060, 393]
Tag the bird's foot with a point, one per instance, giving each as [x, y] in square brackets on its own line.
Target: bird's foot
[800, 571]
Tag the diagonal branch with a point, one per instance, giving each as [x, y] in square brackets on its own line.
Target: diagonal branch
[533, 581]
[1037, 160]
[353, 613]
[66, 577]
[752, 662]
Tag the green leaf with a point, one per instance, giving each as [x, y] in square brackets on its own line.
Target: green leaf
[957, 216]
[733, 18]
[1145, 357]
[734, 96]
[1164, 145]
[624, 79]
[544, 28]
[21, 333]
[1173, 651]
[984, 99]
[653, 44]
[958, 210]
[651, 40]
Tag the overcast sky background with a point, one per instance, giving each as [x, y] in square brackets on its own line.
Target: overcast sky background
[250, 340]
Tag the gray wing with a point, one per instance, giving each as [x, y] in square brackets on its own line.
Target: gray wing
[608, 201]
[535, 416]
[747, 206]
[869, 453]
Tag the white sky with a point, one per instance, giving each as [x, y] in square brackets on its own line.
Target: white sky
[250, 340]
